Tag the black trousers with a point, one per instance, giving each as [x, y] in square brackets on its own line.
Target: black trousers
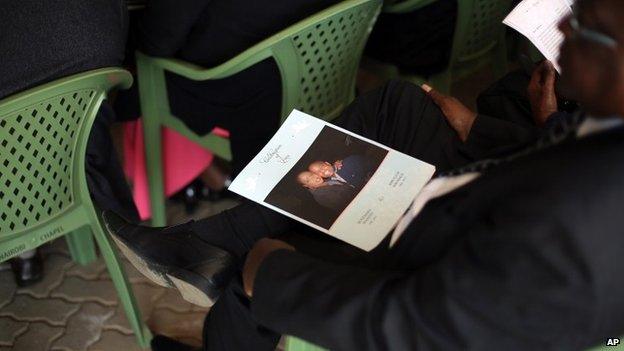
[105, 179]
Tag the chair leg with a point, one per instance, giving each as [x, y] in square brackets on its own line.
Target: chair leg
[81, 247]
[153, 156]
[122, 286]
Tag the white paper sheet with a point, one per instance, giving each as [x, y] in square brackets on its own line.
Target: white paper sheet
[381, 183]
[538, 20]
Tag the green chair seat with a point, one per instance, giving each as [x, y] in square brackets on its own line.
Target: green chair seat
[43, 188]
[317, 58]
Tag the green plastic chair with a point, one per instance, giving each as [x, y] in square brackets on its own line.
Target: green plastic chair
[479, 40]
[43, 188]
[317, 59]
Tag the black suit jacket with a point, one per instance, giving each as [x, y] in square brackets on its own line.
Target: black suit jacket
[527, 257]
[44, 40]
[209, 32]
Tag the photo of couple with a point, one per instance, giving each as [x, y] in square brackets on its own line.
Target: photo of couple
[327, 177]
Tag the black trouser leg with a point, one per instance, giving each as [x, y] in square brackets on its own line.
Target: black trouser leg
[231, 326]
[236, 230]
[107, 184]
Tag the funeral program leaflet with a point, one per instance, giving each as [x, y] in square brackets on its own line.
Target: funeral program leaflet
[538, 20]
[335, 181]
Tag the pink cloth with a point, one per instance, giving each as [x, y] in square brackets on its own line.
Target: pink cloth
[183, 161]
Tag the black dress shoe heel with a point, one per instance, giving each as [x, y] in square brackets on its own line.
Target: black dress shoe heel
[174, 257]
[202, 283]
[151, 270]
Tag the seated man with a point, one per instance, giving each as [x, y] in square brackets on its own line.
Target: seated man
[43, 41]
[522, 250]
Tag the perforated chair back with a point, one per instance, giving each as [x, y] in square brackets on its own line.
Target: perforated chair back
[43, 189]
[43, 139]
[317, 59]
[328, 48]
[479, 31]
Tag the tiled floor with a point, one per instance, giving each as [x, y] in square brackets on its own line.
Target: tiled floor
[75, 308]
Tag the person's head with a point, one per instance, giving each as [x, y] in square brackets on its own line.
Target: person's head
[321, 169]
[309, 180]
[592, 56]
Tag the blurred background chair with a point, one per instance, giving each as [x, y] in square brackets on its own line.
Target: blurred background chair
[43, 140]
[478, 41]
[317, 59]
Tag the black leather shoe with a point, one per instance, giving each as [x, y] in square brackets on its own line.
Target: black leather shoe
[27, 271]
[174, 257]
[163, 343]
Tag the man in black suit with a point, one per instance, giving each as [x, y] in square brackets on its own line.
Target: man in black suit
[522, 252]
[43, 41]
[208, 33]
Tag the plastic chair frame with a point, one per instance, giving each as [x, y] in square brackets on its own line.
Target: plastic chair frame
[79, 220]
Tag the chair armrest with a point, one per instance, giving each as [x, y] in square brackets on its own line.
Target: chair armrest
[195, 72]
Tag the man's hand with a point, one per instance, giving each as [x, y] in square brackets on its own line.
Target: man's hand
[338, 164]
[460, 117]
[541, 92]
[256, 256]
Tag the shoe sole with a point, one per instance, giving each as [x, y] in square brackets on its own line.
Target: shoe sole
[142, 266]
[191, 293]
[176, 279]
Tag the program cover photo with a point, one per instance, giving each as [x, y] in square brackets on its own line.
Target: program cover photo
[333, 180]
